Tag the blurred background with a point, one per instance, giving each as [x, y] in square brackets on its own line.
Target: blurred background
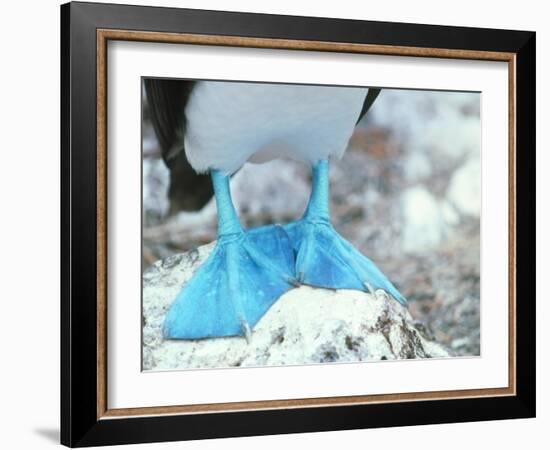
[406, 194]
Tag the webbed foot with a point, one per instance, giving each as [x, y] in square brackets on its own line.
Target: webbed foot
[326, 259]
[240, 280]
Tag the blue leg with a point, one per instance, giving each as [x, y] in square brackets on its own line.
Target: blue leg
[240, 280]
[326, 259]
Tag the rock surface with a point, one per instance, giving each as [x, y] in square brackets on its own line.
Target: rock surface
[305, 326]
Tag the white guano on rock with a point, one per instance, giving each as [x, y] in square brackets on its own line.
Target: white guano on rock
[305, 326]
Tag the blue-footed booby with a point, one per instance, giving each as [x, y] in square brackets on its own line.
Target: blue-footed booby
[214, 127]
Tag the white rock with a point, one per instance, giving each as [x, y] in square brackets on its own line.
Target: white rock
[417, 166]
[451, 137]
[420, 112]
[464, 190]
[450, 214]
[423, 224]
[305, 326]
[155, 186]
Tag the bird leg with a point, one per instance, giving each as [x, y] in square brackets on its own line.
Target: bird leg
[323, 257]
[240, 280]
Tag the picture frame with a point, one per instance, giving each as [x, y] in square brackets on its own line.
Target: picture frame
[86, 29]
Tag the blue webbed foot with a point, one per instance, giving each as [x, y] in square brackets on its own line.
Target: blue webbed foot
[326, 259]
[240, 280]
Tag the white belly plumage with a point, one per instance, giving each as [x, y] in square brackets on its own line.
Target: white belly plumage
[229, 123]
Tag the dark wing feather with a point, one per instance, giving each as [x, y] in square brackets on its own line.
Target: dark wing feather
[166, 100]
[369, 100]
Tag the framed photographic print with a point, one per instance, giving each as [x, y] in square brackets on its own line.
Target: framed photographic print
[277, 224]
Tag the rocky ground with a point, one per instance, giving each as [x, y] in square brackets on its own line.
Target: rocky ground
[305, 326]
[406, 194]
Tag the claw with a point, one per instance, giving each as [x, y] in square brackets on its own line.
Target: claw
[247, 332]
[369, 287]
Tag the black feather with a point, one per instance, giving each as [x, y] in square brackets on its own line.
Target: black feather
[166, 100]
[369, 100]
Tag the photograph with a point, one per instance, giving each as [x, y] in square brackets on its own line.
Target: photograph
[276, 223]
[297, 224]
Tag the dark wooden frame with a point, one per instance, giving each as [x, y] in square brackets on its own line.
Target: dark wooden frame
[85, 418]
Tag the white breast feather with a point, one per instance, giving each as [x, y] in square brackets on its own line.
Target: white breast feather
[229, 123]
